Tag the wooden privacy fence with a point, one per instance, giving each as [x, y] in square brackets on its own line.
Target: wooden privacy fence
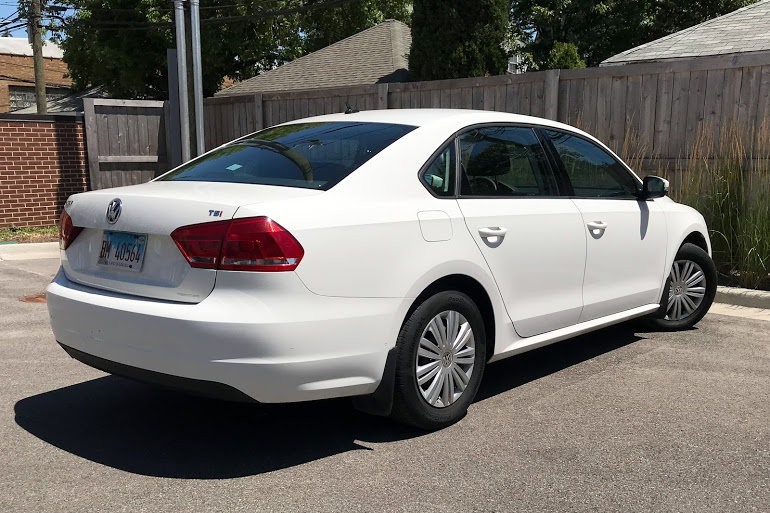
[125, 141]
[657, 110]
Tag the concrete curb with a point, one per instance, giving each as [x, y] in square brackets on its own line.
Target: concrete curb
[743, 297]
[29, 251]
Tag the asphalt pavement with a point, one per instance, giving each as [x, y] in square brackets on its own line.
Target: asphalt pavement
[616, 420]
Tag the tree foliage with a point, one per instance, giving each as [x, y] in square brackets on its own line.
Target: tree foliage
[457, 39]
[323, 27]
[600, 29]
[564, 56]
[121, 44]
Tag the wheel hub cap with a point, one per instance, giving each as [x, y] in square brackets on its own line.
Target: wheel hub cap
[688, 288]
[445, 358]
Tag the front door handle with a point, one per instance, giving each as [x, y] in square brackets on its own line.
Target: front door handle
[596, 225]
[492, 231]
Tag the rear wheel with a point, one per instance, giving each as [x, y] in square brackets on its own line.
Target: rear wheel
[690, 290]
[440, 360]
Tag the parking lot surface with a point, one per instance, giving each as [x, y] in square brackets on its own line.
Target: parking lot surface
[619, 419]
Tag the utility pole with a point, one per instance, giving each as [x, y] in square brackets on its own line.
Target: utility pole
[37, 55]
[181, 59]
[195, 28]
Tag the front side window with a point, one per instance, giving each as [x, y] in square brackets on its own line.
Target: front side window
[439, 176]
[504, 161]
[593, 172]
[307, 155]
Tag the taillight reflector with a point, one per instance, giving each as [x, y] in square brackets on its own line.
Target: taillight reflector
[249, 244]
[67, 231]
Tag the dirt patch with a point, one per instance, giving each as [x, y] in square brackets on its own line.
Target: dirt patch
[34, 298]
[31, 237]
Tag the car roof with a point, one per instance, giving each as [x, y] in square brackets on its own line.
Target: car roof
[458, 118]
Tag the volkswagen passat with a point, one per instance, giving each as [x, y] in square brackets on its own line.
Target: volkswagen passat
[388, 255]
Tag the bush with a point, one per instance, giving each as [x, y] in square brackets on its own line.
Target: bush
[564, 56]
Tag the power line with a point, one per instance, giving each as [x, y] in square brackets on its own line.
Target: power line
[31, 81]
[10, 16]
[27, 65]
[5, 22]
[215, 20]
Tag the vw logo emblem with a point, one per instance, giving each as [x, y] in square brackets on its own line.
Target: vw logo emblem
[113, 211]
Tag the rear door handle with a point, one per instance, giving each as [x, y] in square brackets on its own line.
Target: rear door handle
[596, 225]
[492, 231]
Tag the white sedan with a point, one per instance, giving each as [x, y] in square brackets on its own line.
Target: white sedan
[387, 255]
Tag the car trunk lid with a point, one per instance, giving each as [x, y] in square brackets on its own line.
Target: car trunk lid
[149, 213]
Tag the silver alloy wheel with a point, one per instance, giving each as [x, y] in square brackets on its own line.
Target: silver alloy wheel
[445, 358]
[688, 288]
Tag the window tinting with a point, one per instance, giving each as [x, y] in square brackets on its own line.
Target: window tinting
[308, 155]
[594, 173]
[440, 174]
[504, 161]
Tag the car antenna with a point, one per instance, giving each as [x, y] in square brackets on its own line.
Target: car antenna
[349, 109]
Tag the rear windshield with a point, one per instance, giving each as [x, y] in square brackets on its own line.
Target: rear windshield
[308, 155]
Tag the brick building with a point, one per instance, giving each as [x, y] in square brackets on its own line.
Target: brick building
[17, 73]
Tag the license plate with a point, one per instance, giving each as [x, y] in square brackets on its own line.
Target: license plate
[122, 250]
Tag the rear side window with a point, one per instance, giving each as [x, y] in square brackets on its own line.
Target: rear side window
[307, 155]
[439, 177]
[594, 173]
[504, 161]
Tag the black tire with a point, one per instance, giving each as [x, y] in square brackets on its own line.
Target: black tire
[695, 254]
[409, 405]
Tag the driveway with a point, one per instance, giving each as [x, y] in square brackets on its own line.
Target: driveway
[615, 420]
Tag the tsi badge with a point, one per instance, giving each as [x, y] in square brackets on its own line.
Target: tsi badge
[113, 211]
[215, 213]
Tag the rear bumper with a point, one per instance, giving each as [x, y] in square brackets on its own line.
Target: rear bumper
[194, 386]
[262, 334]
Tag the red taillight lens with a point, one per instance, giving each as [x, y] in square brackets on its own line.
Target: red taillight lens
[201, 244]
[67, 232]
[259, 244]
[250, 244]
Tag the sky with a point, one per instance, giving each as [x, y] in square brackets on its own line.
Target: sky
[8, 9]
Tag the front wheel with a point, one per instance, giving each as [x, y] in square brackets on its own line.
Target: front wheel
[440, 361]
[691, 287]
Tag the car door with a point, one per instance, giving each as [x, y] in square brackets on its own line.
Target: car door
[531, 238]
[626, 236]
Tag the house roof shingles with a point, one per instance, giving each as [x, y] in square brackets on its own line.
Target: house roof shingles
[377, 54]
[744, 30]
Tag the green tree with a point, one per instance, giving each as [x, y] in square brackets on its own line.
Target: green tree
[600, 29]
[323, 27]
[121, 44]
[457, 39]
[564, 56]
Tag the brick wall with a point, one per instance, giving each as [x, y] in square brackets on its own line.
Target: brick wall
[19, 70]
[42, 162]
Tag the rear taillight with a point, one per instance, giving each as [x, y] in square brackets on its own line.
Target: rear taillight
[67, 231]
[201, 244]
[250, 244]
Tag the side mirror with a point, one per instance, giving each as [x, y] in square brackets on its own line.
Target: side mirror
[654, 187]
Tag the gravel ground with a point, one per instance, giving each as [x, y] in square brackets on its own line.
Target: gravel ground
[617, 420]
